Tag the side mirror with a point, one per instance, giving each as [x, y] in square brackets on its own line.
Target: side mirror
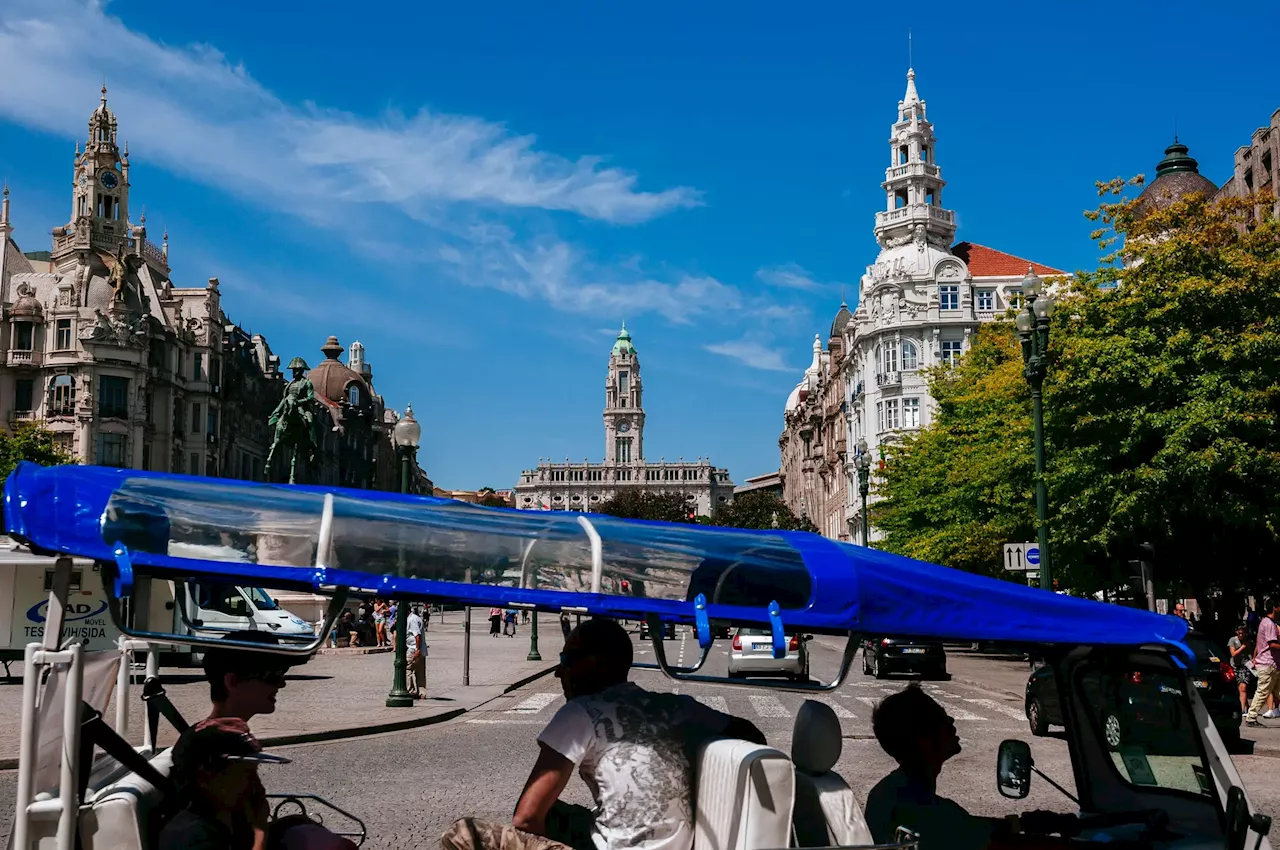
[807, 638]
[1013, 769]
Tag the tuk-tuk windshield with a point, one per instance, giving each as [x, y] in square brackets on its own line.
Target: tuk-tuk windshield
[1144, 717]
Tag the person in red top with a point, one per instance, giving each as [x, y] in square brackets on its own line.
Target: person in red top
[1266, 658]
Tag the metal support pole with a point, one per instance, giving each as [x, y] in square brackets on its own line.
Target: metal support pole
[533, 655]
[1042, 496]
[400, 696]
[863, 488]
[466, 640]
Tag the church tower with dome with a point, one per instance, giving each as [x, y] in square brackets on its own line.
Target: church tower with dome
[574, 486]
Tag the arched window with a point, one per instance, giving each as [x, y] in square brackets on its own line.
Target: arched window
[353, 395]
[879, 359]
[62, 396]
[910, 358]
[891, 358]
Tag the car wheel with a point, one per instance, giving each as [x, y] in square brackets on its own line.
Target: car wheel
[1111, 731]
[866, 664]
[876, 669]
[1036, 719]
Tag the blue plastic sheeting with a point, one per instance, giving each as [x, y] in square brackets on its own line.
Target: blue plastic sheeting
[425, 548]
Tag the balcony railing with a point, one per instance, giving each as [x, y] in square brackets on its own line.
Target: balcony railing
[113, 412]
[914, 212]
[913, 168]
[25, 358]
[885, 379]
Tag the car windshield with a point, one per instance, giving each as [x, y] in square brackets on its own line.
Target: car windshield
[260, 599]
[1206, 652]
[1144, 718]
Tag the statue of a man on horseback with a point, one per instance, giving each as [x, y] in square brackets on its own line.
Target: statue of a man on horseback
[293, 420]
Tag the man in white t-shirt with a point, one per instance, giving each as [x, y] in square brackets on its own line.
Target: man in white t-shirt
[416, 655]
[633, 748]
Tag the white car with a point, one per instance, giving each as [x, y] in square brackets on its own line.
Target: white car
[752, 655]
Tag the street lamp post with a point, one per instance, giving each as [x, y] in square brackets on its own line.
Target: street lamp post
[407, 433]
[863, 462]
[1033, 330]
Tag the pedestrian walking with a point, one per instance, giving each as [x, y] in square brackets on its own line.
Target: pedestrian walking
[495, 621]
[1266, 657]
[380, 621]
[565, 625]
[1239, 647]
[510, 629]
[416, 660]
[426, 618]
[392, 610]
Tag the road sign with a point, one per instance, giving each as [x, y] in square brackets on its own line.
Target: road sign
[1021, 556]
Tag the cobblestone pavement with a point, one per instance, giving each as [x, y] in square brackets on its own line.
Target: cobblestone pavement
[408, 786]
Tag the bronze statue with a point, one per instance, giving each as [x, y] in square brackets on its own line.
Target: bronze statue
[294, 420]
[124, 264]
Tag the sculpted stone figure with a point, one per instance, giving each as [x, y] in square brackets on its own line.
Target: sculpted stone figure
[293, 420]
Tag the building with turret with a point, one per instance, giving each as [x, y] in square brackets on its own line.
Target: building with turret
[101, 347]
[919, 304]
[583, 486]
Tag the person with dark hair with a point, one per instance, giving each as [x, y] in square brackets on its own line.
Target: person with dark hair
[215, 769]
[633, 748]
[244, 683]
[920, 736]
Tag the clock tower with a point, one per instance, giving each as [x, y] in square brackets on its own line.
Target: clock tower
[623, 412]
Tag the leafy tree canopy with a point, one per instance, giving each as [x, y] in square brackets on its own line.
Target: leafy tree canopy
[760, 509]
[30, 442]
[642, 504]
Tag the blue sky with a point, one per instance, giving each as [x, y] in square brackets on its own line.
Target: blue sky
[482, 192]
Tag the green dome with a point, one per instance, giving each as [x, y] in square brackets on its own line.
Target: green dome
[623, 346]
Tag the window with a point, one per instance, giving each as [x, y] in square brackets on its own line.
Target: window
[904, 153]
[951, 350]
[622, 382]
[900, 199]
[910, 358]
[212, 422]
[1014, 298]
[879, 360]
[146, 457]
[24, 336]
[889, 415]
[928, 198]
[111, 449]
[62, 335]
[62, 396]
[197, 367]
[924, 154]
[353, 395]
[986, 300]
[193, 466]
[223, 598]
[196, 410]
[911, 413]
[113, 397]
[622, 402]
[949, 297]
[890, 358]
[24, 394]
[879, 415]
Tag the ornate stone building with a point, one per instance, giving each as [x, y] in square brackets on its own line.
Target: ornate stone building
[918, 305]
[1257, 164]
[102, 348]
[582, 486]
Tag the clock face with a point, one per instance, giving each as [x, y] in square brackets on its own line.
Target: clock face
[108, 179]
[624, 427]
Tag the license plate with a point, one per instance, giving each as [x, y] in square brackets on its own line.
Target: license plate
[913, 650]
[1201, 683]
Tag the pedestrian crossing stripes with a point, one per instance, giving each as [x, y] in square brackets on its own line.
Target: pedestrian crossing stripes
[1006, 710]
[841, 712]
[768, 706]
[720, 704]
[533, 704]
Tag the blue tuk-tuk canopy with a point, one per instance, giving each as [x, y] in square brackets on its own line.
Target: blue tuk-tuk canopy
[318, 538]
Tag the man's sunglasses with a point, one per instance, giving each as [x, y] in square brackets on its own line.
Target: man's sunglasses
[273, 676]
[568, 659]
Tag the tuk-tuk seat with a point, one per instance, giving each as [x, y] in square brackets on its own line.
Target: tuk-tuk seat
[125, 814]
[827, 812]
[744, 797]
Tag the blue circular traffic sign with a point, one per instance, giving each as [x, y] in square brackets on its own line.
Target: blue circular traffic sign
[1033, 555]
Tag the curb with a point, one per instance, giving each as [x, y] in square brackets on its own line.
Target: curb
[363, 731]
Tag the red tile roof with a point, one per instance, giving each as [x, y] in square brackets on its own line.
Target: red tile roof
[988, 262]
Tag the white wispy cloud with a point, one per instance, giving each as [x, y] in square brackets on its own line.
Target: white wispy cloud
[751, 353]
[788, 276]
[194, 111]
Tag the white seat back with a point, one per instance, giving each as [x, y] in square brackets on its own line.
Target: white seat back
[827, 813]
[744, 798]
[122, 816]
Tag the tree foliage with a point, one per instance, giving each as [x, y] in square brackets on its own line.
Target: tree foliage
[30, 442]
[642, 504]
[954, 492]
[760, 509]
[1162, 403]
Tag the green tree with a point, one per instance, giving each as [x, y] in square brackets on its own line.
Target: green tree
[954, 492]
[30, 442]
[642, 504]
[760, 509]
[1165, 395]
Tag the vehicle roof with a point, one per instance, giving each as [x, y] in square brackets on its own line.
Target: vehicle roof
[427, 548]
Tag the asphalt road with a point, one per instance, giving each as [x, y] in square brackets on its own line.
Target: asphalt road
[409, 786]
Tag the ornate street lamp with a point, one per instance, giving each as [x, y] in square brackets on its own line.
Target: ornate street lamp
[1033, 330]
[863, 462]
[407, 433]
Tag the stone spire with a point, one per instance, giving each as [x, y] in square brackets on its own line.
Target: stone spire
[913, 182]
[4, 209]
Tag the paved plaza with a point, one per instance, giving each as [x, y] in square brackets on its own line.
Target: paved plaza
[408, 785]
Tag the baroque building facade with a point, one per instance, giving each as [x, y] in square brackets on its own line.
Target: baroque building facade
[583, 486]
[102, 348]
[918, 305]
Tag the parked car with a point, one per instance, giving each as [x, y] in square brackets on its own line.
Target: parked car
[668, 630]
[892, 655]
[1140, 698]
[751, 654]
